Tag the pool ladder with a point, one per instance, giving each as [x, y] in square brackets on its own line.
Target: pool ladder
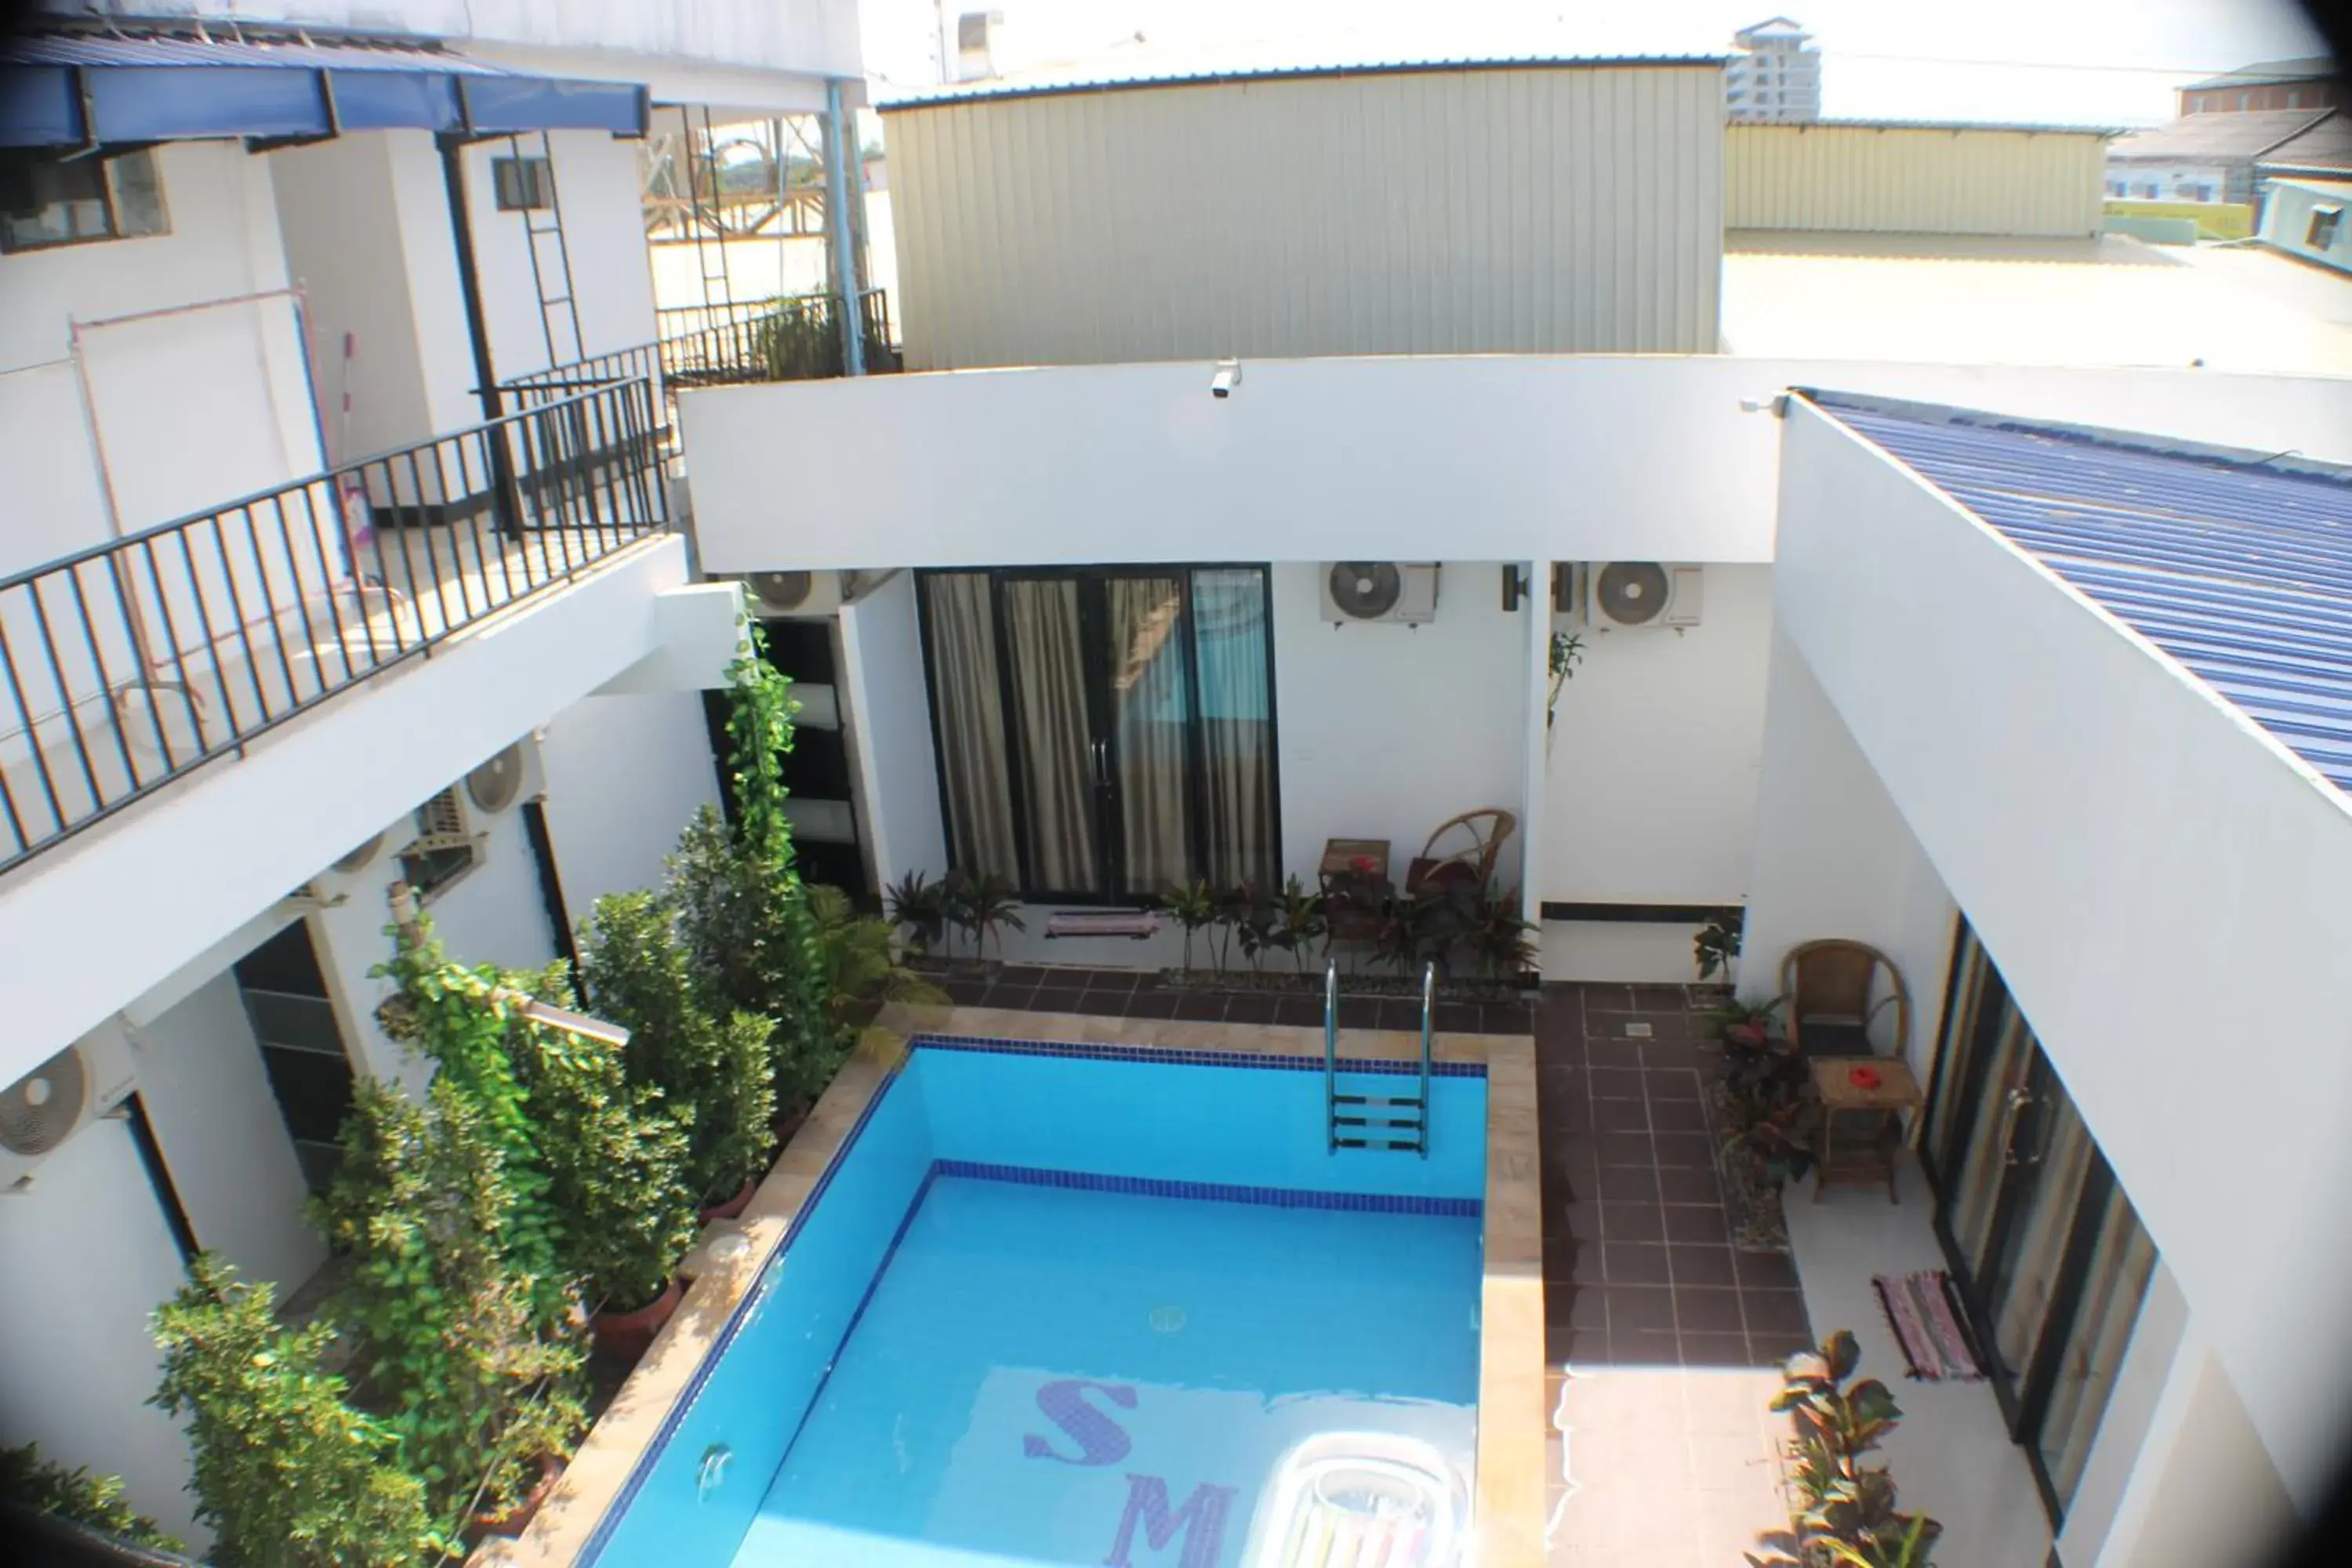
[1374, 1121]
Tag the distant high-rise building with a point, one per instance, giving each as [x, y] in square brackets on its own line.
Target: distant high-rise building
[1776, 74]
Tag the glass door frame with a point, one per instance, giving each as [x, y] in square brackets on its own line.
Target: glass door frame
[2025, 1400]
[1092, 587]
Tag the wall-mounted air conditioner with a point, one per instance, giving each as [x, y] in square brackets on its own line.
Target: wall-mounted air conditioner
[1397, 592]
[507, 778]
[769, 595]
[65, 1094]
[1621, 595]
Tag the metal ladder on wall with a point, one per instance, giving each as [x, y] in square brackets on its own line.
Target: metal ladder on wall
[534, 234]
[1374, 1121]
[701, 168]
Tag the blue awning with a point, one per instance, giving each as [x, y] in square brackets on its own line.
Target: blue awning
[61, 90]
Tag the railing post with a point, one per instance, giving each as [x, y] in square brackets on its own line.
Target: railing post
[840, 129]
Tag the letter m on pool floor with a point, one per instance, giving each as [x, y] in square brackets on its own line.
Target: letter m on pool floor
[1202, 1519]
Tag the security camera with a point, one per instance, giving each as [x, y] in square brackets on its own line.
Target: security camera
[1228, 376]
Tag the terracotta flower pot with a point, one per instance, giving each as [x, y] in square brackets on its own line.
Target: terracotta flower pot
[626, 1336]
[513, 1519]
[732, 1206]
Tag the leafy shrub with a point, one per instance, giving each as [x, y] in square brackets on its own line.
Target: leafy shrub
[459, 1361]
[31, 1482]
[1848, 1518]
[287, 1475]
[715, 1074]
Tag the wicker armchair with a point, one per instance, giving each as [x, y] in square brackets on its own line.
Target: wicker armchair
[1473, 863]
[1829, 984]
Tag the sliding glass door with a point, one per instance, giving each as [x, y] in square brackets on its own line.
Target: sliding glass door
[2049, 1254]
[1104, 734]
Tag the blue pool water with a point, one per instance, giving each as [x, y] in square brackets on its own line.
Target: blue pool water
[1059, 1308]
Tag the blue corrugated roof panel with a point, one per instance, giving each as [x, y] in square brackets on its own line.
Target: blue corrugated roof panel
[74, 89]
[2236, 565]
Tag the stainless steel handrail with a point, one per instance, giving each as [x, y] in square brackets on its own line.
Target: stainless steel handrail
[1428, 1008]
[1330, 1053]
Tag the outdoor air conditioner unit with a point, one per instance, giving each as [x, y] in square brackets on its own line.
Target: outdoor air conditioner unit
[1616, 596]
[507, 778]
[65, 1094]
[1399, 593]
[769, 594]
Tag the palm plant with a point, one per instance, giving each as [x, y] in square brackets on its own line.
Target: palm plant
[860, 956]
[919, 904]
[984, 906]
[1299, 921]
[1192, 906]
[1502, 942]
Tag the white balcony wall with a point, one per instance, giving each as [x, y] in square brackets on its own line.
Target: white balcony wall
[1573, 208]
[189, 409]
[2154, 878]
[1588, 457]
[81, 931]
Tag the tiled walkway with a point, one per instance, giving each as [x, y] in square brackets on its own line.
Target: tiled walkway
[1135, 993]
[1663, 1335]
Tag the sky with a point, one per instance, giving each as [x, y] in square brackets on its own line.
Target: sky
[2111, 62]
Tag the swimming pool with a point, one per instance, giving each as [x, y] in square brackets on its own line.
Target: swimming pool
[1085, 1305]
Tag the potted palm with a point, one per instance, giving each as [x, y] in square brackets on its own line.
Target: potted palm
[918, 904]
[715, 1072]
[1192, 907]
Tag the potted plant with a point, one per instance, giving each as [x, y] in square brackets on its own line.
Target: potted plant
[446, 1326]
[35, 1485]
[1192, 906]
[861, 973]
[1762, 1099]
[615, 1168]
[717, 1074]
[1749, 1023]
[1502, 944]
[1299, 922]
[986, 906]
[918, 904]
[1848, 1516]
[1246, 920]
[286, 1473]
[1717, 945]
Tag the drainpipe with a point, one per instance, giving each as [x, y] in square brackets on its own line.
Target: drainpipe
[505, 498]
[839, 129]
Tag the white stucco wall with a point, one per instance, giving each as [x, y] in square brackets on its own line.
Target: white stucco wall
[1387, 730]
[2151, 874]
[1590, 457]
[624, 775]
[77, 1363]
[231, 1158]
[1831, 857]
[611, 284]
[888, 715]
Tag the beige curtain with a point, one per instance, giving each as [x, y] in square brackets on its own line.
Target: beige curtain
[2121, 1265]
[2038, 1242]
[1151, 707]
[1236, 725]
[1049, 714]
[968, 700]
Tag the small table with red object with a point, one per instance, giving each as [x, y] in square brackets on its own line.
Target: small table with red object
[1354, 874]
[1847, 1085]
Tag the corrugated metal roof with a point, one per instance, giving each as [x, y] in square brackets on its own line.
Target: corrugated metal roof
[2029, 128]
[1112, 80]
[2264, 72]
[2326, 146]
[97, 49]
[2236, 565]
[2225, 136]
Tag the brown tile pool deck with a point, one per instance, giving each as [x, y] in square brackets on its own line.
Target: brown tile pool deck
[1511, 1377]
[1662, 1340]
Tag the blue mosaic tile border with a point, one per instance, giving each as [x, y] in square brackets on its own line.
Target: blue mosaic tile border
[691, 1395]
[1214, 1191]
[1188, 1057]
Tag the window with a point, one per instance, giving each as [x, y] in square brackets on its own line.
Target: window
[522, 183]
[48, 200]
[442, 851]
[2325, 222]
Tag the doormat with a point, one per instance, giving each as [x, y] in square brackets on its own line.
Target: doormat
[1924, 1310]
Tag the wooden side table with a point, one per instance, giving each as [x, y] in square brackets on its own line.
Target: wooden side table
[1354, 895]
[1871, 1159]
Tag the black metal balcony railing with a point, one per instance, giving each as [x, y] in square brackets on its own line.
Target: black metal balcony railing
[128, 664]
[795, 338]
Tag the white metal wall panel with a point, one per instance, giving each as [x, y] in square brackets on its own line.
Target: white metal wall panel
[1867, 179]
[1522, 210]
